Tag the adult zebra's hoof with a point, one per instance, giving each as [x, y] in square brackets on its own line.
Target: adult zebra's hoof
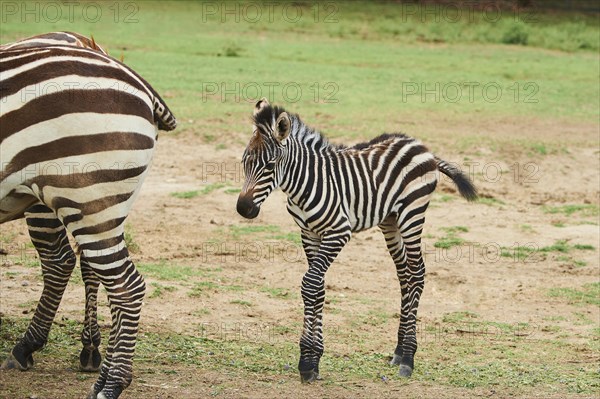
[18, 362]
[101, 395]
[90, 360]
[405, 371]
[395, 360]
[306, 377]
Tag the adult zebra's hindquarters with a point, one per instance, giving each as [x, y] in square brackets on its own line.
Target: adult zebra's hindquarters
[74, 159]
[334, 191]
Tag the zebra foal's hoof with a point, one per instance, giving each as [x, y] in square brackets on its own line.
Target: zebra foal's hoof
[306, 377]
[405, 371]
[395, 360]
[90, 360]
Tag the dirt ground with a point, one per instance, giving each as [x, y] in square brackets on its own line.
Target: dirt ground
[197, 232]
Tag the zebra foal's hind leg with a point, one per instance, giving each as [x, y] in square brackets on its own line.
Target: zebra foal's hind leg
[90, 358]
[405, 249]
[49, 237]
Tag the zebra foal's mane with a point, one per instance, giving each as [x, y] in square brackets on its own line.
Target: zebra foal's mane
[307, 135]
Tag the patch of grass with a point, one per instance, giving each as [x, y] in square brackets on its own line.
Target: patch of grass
[209, 188]
[173, 272]
[241, 302]
[568, 210]
[129, 237]
[584, 247]
[461, 316]
[587, 294]
[526, 228]
[516, 33]
[539, 148]
[456, 229]
[294, 238]
[522, 253]
[204, 287]
[233, 190]
[444, 198]
[558, 224]
[451, 240]
[558, 246]
[276, 292]
[186, 194]
[160, 289]
[7, 238]
[239, 231]
[232, 50]
[519, 253]
[490, 201]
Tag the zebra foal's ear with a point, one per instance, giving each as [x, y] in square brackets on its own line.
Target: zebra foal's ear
[263, 102]
[282, 127]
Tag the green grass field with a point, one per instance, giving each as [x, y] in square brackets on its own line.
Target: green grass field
[352, 67]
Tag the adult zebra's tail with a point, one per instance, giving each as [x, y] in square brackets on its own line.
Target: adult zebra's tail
[462, 181]
[162, 114]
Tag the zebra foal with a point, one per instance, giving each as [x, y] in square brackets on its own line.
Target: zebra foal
[334, 191]
[77, 134]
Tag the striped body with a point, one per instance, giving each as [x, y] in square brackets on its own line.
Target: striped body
[334, 191]
[364, 184]
[77, 135]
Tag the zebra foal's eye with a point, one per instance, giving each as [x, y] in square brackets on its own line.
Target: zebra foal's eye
[270, 165]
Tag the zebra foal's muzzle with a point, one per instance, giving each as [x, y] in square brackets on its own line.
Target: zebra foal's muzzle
[246, 206]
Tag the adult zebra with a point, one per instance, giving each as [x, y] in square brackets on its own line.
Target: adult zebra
[77, 134]
[334, 191]
[89, 358]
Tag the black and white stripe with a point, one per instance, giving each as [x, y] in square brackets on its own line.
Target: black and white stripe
[77, 134]
[334, 191]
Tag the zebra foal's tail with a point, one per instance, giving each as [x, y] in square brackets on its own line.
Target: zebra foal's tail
[462, 181]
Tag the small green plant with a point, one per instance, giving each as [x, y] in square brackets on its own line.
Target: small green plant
[490, 201]
[583, 209]
[241, 302]
[132, 246]
[160, 289]
[232, 50]
[539, 148]
[516, 33]
[186, 194]
[451, 239]
[209, 188]
[276, 292]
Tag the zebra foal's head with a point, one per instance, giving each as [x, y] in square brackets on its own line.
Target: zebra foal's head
[261, 159]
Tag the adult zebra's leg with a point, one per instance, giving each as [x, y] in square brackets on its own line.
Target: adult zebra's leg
[313, 296]
[49, 238]
[125, 288]
[90, 358]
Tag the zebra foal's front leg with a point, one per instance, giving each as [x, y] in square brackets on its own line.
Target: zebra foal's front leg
[57, 258]
[320, 255]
